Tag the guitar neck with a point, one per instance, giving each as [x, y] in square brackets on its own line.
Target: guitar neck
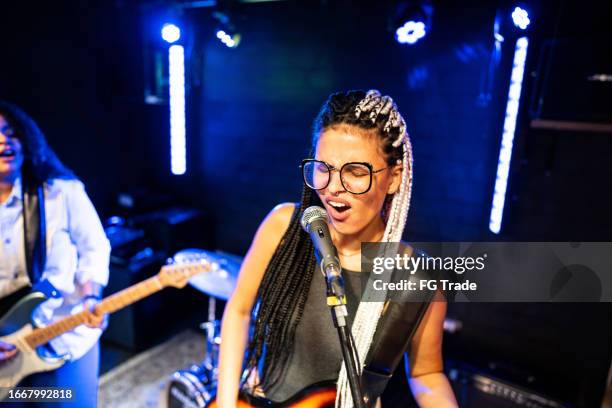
[110, 304]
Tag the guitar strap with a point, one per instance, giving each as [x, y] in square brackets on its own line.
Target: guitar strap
[400, 315]
[34, 227]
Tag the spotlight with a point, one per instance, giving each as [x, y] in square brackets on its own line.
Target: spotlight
[170, 33]
[231, 41]
[226, 31]
[412, 21]
[520, 17]
[410, 32]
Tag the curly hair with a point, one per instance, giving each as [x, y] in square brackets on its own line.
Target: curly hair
[283, 292]
[41, 164]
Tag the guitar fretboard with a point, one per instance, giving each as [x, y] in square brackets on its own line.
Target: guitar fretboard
[110, 304]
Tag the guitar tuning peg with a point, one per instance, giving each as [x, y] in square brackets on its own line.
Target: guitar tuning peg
[170, 261]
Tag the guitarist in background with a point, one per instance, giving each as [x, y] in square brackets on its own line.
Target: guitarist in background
[50, 235]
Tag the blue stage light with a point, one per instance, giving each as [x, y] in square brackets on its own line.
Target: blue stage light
[520, 18]
[170, 33]
[505, 152]
[231, 41]
[178, 144]
[410, 32]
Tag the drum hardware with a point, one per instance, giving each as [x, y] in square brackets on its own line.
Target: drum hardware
[194, 387]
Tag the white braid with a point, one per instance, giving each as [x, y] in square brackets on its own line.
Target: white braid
[368, 313]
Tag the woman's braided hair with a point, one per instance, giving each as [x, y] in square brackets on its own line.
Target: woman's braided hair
[284, 288]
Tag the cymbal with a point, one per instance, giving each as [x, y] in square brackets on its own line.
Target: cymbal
[220, 281]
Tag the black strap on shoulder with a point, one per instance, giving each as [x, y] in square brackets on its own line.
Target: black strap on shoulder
[34, 228]
[396, 328]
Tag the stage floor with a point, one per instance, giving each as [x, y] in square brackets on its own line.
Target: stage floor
[140, 381]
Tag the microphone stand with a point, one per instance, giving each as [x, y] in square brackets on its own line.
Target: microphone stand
[336, 300]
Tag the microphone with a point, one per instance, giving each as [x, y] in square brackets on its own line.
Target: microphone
[314, 222]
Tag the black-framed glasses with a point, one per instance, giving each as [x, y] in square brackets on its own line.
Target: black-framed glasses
[356, 177]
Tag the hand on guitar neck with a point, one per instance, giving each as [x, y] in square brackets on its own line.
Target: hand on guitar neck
[88, 294]
[94, 319]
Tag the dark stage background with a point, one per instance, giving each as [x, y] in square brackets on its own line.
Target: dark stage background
[78, 68]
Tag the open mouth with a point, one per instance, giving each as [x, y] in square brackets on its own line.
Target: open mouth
[340, 207]
[7, 153]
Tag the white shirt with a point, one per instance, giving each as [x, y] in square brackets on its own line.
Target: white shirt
[77, 251]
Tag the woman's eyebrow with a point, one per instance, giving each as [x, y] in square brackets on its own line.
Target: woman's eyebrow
[331, 164]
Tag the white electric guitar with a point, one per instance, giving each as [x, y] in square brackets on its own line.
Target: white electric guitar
[16, 327]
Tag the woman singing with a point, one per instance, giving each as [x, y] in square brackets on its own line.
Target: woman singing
[361, 173]
[59, 242]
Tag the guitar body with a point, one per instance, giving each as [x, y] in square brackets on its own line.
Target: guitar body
[17, 310]
[315, 396]
[14, 326]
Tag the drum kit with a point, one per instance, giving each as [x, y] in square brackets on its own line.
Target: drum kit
[194, 387]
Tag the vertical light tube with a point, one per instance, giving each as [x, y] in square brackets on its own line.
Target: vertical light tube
[178, 144]
[505, 151]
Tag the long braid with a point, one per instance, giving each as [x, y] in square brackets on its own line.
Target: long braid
[368, 313]
[281, 297]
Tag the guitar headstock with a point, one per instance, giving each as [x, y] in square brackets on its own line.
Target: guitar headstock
[178, 274]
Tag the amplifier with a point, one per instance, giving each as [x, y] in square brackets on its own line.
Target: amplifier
[176, 228]
[476, 390]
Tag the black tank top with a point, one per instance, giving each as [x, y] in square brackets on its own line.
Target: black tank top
[317, 355]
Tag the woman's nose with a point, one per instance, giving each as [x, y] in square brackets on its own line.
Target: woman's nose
[335, 184]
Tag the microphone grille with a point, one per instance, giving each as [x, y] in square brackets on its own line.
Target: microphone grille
[312, 213]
